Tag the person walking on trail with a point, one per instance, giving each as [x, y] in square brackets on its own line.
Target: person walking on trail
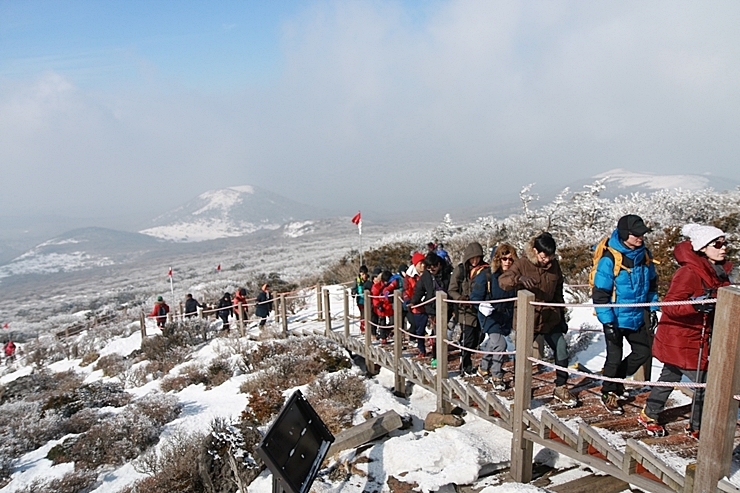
[160, 311]
[9, 349]
[467, 314]
[682, 341]
[264, 304]
[191, 306]
[625, 274]
[539, 272]
[495, 319]
[240, 298]
[358, 292]
[436, 277]
[225, 310]
[383, 288]
[416, 316]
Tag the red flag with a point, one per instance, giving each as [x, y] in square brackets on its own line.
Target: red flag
[357, 219]
[5, 326]
[169, 274]
[218, 268]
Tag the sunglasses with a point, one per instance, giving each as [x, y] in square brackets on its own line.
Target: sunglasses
[719, 244]
[507, 259]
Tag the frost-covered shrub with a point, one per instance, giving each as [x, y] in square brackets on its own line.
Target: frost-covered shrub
[39, 385]
[90, 395]
[89, 358]
[23, 427]
[44, 350]
[264, 403]
[164, 352]
[119, 438]
[78, 481]
[111, 364]
[336, 397]
[230, 462]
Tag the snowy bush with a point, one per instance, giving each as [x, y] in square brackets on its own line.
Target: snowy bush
[77, 481]
[336, 397]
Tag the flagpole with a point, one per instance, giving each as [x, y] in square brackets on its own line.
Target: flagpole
[360, 228]
[172, 286]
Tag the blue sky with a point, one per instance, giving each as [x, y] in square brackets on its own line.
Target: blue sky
[114, 108]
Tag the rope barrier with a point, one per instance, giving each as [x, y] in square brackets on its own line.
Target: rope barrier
[430, 300]
[624, 381]
[627, 305]
[380, 326]
[416, 336]
[461, 302]
[477, 351]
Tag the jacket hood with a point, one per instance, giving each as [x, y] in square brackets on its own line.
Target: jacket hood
[472, 250]
[685, 255]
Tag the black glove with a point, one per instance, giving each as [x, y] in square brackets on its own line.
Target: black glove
[653, 323]
[703, 307]
[612, 334]
[527, 281]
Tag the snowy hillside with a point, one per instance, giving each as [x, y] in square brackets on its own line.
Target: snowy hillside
[229, 212]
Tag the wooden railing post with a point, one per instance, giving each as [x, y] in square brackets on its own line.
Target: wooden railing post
[346, 313]
[369, 363]
[443, 405]
[240, 316]
[399, 381]
[319, 304]
[142, 322]
[284, 315]
[521, 449]
[327, 313]
[719, 416]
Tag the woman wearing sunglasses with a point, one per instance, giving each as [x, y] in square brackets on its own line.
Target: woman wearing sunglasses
[682, 339]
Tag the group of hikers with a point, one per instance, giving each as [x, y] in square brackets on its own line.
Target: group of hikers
[623, 274]
[229, 305]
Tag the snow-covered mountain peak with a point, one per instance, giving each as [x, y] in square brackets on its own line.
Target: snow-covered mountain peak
[622, 178]
[228, 212]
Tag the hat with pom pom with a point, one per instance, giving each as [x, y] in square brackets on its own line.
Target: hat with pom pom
[701, 235]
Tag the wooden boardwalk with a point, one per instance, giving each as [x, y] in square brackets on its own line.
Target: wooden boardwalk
[614, 444]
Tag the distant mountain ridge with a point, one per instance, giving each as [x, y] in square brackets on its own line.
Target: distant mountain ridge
[231, 212]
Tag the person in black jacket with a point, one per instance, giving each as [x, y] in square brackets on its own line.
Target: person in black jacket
[191, 306]
[436, 277]
[225, 309]
[264, 304]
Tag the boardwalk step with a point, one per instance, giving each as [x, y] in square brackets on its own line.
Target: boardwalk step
[639, 459]
[552, 428]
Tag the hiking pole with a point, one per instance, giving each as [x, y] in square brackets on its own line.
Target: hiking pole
[698, 362]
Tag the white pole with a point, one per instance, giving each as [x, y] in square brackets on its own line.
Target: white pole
[359, 227]
[172, 287]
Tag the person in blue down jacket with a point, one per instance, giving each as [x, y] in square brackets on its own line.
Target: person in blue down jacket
[636, 282]
[495, 318]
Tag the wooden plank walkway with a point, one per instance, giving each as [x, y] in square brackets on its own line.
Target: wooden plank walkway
[614, 444]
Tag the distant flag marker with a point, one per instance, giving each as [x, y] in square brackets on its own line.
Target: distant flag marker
[5, 326]
[218, 268]
[357, 219]
[169, 274]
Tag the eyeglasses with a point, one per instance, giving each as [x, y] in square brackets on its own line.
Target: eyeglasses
[719, 244]
[507, 259]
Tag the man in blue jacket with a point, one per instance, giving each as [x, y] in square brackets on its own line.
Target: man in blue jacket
[635, 282]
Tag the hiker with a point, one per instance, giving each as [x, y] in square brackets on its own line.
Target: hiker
[264, 304]
[358, 292]
[495, 319]
[467, 314]
[191, 306]
[682, 341]
[9, 349]
[416, 316]
[240, 297]
[383, 287]
[442, 253]
[625, 274]
[435, 277]
[225, 309]
[369, 293]
[160, 311]
[539, 272]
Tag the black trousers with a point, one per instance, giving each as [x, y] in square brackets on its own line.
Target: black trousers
[615, 366]
[470, 340]
[659, 395]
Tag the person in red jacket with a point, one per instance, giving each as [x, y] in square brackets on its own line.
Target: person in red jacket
[682, 339]
[9, 349]
[160, 311]
[240, 296]
[383, 288]
[416, 315]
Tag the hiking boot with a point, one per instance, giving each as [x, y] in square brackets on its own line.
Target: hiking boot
[484, 374]
[691, 432]
[468, 371]
[498, 384]
[651, 425]
[610, 400]
[562, 394]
